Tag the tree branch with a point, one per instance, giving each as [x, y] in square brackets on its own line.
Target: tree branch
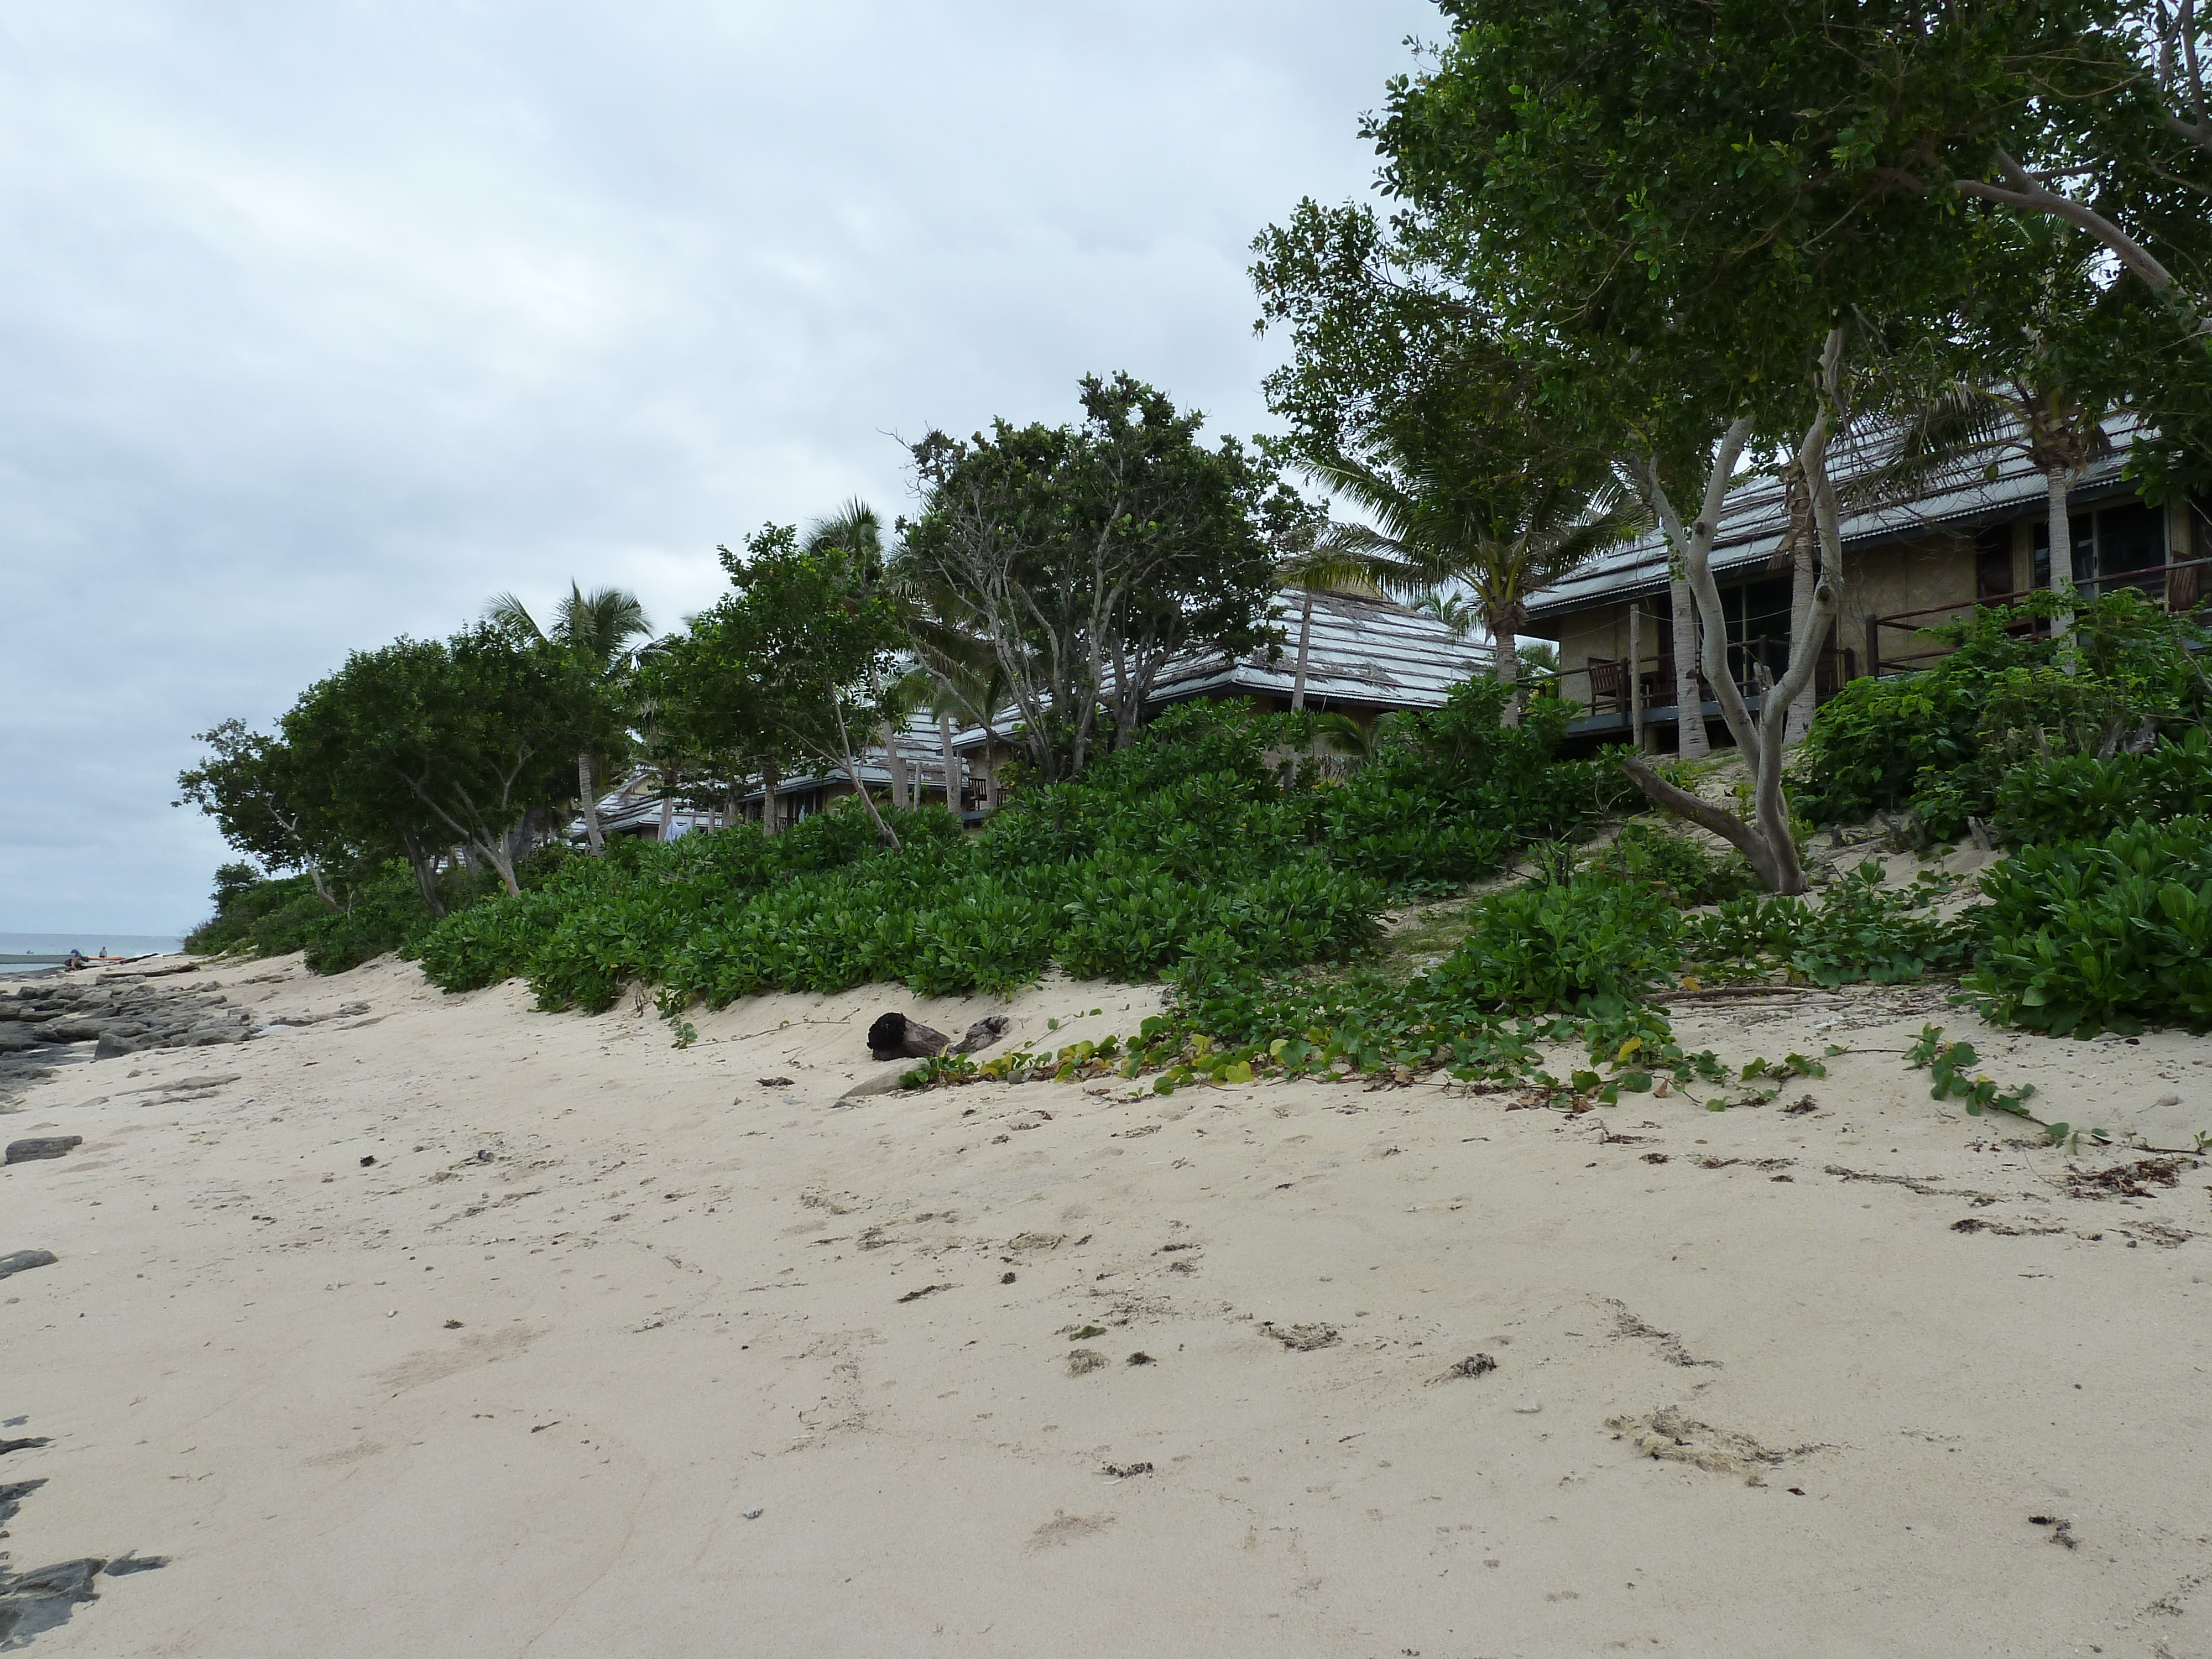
[1702, 812]
[2025, 193]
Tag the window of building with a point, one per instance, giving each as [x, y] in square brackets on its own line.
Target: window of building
[1993, 561]
[1758, 615]
[2124, 545]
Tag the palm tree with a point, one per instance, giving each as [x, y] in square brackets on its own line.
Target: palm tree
[1348, 738]
[1452, 609]
[1504, 537]
[1331, 558]
[2035, 322]
[592, 631]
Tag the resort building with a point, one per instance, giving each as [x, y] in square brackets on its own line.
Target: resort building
[1908, 565]
[1364, 657]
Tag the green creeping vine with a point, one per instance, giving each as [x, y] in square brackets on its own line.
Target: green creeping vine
[1946, 1063]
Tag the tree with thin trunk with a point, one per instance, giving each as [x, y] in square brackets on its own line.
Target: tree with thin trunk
[1504, 534]
[1088, 557]
[252, 786]
[800, 651]
[1317, 557]
[458, 742]
[1765, 841]
[590, 635]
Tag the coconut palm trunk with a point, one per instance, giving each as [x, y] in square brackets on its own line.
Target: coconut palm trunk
[1505, 658]
[2057, 487]
[587, 786]
[951, 764]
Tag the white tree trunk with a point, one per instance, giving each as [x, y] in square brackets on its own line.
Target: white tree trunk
[667, 811]
[1690, 739]
[1803, 580]
[589, 787]
[1305, 642]
[951, 764]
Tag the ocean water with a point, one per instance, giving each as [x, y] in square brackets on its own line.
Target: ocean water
[24, 947]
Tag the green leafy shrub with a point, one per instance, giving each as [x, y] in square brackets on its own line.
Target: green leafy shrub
[2114, 933]
[383, 912]
[1861, 930]
[1594, 943]
[2077, 797]
[1213, 844]
[1942, 741]
[1644, 853]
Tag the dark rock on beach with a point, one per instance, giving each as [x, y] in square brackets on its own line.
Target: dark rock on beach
[122, 1016]
[23, 1152]
[23, 1261]
[44, 1596]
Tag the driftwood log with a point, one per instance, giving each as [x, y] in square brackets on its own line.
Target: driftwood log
[894, 1036]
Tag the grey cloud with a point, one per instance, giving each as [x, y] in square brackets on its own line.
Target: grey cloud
[323, 323]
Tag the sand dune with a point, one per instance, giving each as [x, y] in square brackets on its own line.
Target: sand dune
[618, 1349]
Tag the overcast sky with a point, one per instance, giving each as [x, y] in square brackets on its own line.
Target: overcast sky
[325, 322]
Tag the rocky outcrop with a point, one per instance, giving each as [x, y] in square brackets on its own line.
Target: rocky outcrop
[121, 1019]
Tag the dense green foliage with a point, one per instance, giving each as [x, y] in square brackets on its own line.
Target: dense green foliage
[1214, 843]
[1948, 742]
[1860, 930]
[1078, 561]
[267, 918]
[2075, 797]
[257, 917]
[2111, 934]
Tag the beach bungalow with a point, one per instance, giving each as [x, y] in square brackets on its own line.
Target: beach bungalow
[1979, 539]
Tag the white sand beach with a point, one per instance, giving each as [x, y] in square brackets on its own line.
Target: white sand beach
[460, 1329]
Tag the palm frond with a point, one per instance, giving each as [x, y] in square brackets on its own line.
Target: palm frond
[508, 613]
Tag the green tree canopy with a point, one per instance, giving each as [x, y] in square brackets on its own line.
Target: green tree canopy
[1086, 557]
[426, 744]
[588, 645]
[794, 660]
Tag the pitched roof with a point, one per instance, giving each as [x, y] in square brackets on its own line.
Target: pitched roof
[1983, 489]
[1363, 652]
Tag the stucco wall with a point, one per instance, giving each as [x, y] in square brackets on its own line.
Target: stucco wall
[1601, 633]
[1931, 570]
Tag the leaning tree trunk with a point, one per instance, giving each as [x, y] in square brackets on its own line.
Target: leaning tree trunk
[1690, 740]
[852, 766]
[1305, 646]
[589, 788]
[2056, 483]
[425, 866]
[1505, 659]
[1766, 842]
